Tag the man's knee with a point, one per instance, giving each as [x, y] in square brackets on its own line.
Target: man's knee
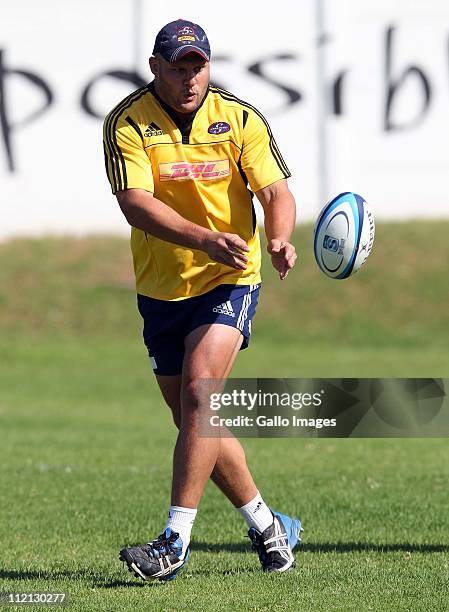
[175, 408]
[170, 387]
[195, 401]
[195, 394]
[176, 414]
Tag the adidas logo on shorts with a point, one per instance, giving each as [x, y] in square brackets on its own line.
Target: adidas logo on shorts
[225, 308]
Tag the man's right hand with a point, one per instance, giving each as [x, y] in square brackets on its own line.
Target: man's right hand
[147, 213]
[228, 249]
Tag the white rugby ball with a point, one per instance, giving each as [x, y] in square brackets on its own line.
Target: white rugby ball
[344, 235]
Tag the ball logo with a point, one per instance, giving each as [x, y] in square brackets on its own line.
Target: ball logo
[200, 171]
[331, 244]
[220, 127]
[334, 244]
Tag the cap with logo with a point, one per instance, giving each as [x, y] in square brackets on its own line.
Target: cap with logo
[180, 37]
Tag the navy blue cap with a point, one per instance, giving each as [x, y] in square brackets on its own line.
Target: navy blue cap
[180, 37]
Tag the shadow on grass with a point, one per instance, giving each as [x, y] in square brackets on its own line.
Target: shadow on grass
[326, 547]
[100, 581]
[81, 574]
[114, 584]
[347, 547]
[96, 581]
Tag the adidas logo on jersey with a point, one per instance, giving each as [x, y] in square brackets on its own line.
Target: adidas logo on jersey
[153, 130]
[225, 308]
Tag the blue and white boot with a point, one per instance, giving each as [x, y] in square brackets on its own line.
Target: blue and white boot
[161, 559]
[275, 545]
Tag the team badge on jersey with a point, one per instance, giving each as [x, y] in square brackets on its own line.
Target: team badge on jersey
[220, 127]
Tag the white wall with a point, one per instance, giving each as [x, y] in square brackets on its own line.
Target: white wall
[51, 166]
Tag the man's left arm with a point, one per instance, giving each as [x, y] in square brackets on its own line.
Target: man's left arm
[280, 217]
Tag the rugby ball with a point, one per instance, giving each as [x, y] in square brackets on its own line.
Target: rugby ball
[344, 235]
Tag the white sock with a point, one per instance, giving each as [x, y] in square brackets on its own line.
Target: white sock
[257, 514]
[181, 520]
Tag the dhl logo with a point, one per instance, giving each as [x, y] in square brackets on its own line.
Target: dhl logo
[199, 171]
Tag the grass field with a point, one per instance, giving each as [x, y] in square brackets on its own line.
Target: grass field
[86, 441]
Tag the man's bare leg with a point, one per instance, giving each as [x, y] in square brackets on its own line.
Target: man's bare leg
[195, 458]
[231, 473]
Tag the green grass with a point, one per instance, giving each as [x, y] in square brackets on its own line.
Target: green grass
[86, 442]
[390, 319]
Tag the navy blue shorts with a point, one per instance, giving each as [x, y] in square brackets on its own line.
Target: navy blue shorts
[167, 323]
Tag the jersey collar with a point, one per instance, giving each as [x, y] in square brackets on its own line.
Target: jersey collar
[184, 125]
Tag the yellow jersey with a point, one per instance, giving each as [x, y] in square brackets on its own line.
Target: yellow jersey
[206, 170]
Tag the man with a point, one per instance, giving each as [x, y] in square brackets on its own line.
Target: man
[179, 156]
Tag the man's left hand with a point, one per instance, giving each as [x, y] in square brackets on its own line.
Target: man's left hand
[283, 256]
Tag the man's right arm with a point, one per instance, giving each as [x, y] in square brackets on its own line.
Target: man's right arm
[145, 212]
